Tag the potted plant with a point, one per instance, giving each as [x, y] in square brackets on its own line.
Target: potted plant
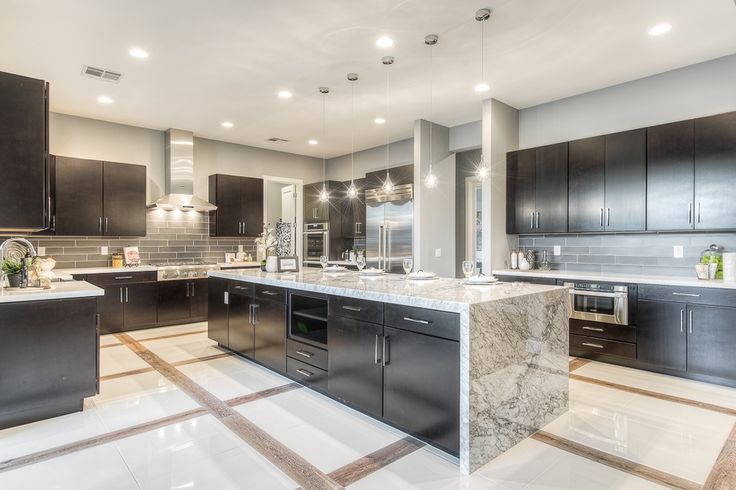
[12, 270]
[266, 243]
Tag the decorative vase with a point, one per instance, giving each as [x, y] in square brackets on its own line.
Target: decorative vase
[272, 263]
[13, 280]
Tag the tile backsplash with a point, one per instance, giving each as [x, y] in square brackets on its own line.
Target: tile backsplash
[649, 254]
[171, 237]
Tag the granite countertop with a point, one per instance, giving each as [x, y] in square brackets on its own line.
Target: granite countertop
[60, 290]
[439, 294]
[610, 277]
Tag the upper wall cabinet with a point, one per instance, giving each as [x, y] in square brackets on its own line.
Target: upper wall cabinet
[239, 202]
[24, 193]
[93, 198]
[537, 190]
[587, 160]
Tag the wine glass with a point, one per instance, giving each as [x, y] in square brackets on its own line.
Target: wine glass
[323, 261]
[408, 264]
[468, 268]
[360, 262]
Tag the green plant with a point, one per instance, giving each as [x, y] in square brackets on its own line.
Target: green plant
[11, 267]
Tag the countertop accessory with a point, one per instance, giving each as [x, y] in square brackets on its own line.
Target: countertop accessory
[514, 259]
[701, 270]
[468, 268]
[117, 261]
[481, 280]
[729, 266]
[713, 256]
[288, 264]
[132, 257]
[420, 275]
[335, 268]
[544, 264]
[371, 272]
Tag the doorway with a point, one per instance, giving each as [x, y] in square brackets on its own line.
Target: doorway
[282, 209]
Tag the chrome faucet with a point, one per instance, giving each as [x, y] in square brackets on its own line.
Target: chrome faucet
[22, 241]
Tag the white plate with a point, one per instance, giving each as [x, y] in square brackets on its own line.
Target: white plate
[335, 268]
[481, 280]
[371, 272]
[421, 276]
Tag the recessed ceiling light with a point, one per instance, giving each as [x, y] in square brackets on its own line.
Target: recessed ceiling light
[482, 87]
[660, 29]
[104, 99]
[312, 142]
[384, 42]
[227, 124]
[379, 120]
[138, 53]
[284, 94]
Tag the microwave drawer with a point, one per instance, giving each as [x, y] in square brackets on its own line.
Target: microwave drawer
[592, 348]
[601, 330]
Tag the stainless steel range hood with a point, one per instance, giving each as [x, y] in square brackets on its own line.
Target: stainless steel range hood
[179, 165]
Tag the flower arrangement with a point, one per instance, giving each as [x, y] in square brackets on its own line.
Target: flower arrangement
[266, 242]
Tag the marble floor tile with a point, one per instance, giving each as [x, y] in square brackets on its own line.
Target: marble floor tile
[108, 340]
[119, 359]
[171, 330]
[184, 348]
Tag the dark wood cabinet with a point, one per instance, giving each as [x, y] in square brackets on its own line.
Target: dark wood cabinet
[715, 172]
[217, 318]
[587, 184]
[661, 335]
[711, 341]
[241, 337]
[111, 307]
[130, 301]
[140, 305]
[24, 186]
[670, 171]
[239, 202]
[355, 363]
[626, 187]
[316, 210]
[182, 301]
[198, 300]
[353, 211]
[93, 198]
[520, 191]
[269, 321]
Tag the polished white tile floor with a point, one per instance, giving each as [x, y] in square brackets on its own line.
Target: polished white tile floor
[200, 452]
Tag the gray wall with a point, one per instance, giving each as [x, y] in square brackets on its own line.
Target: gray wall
[339, 168]
[466, 136]
[466, 163]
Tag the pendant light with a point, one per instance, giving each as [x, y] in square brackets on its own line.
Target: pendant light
[388, 186]
[482, 16]
[352, 191]
[431, 179]
[324, 196]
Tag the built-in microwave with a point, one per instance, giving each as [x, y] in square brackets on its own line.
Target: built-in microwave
[605, 303]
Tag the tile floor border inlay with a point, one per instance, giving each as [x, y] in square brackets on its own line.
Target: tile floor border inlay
[616, 462]
[655, 394]
[286, 460]
[723, 474]
[578, 363]
[149, 369]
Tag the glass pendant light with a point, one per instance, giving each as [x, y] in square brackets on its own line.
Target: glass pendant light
[352, 191]
[431, 179]
[482, 171]
[324, 196]
[388, 186]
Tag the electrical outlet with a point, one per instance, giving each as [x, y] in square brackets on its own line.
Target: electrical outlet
[240, 248]
[677, 252]
[438, 252]
[103, 250]
[558, 250]
[41, 251]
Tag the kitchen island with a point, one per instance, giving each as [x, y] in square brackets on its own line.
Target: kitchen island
[501, 351]
[49, 351]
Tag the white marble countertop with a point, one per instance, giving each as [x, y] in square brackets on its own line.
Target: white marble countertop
[609, 277]
[230, 265]
[104, 270]
[60, 290]
[439, 294]
[347, 263]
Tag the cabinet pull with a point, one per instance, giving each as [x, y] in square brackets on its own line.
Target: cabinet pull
[243, 227]
[192, 289]
[601, 217]
[187, 290]
[255, 315]
[588, 344]
[608, 216]
[117, 278]
[105, 224]
[376, 358]
[682, 321]
[121, 295]
[691, 321]
[126, 294]
[386, 350]
[270, 293]
[225, 298]
[698, 212]
[537, 219]
[99, 224]
[690, 295]
[414, 320]
[304, 372]
[689, 213]
[351, 308]
[593, 329]
[531, 222]
[304, 353]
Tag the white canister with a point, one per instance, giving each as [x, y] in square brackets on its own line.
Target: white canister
[524, 264]
[729, 266]
[514, 260]
[272, 263]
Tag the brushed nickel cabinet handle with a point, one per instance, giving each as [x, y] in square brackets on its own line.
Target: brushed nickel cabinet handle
[225, 298]
[126, 294]
[698, 212]
[117, 278]
[386, 350]
[105, 224]
[351, 308]
[689, 213]
[376, 358]
[121, 295]
[593, 329]
[691, 322]
[531, 223]
[608, 216]
[537, 219]
[270, 293]
[682, 321]
[304, 372]
[588, 344]
[601, 217]
[304, 353]
[414, 320]
[99, 224]
[689, 295]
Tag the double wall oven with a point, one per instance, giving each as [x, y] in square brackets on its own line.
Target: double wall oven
[316, 242]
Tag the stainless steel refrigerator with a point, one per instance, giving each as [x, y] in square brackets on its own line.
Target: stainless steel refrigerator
[389, 226]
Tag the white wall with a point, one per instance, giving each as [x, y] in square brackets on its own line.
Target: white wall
[694, 91]
[466, 136]
[400, 153]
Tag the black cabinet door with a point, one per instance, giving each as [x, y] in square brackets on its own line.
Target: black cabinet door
[626, 181]
[173, 301]
[251, 192]
[23, 152]
[421, 386]
[124, 196]
[240, 329]
[270, 334]
[315, 210]
[355, 370]
[520, 191]
[715, 172]
[587, 184]
[198, 299]
[711, 341]
[551, 189]
[353, 210]
[224, 192]
[111, 307]
[217, 328]
[670, 176]
[661, 335]
[140, 305]
[78, 197]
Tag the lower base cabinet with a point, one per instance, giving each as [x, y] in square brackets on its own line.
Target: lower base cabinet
[182, 301]
[662, 335]
[217, 319]
[269, 326]
[711, 342]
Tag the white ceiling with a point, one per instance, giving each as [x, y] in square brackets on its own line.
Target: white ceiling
[219, 60]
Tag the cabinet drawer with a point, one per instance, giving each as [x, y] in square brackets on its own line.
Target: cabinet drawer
[693, 295]
[270, 293]
[591, 347]
[241, 288]
[359, 309]
[306, 353]
[603, 330]
[431, 322]
[122, 277]
[306, 374]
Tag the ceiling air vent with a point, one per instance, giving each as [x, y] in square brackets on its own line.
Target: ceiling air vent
[101, 73]
[278, 141]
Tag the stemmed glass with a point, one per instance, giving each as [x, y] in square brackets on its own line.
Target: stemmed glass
[360, 262]
[468, 268]
[408, 264]
[323, 261]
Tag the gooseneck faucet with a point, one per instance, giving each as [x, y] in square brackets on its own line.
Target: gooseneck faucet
[22, 241]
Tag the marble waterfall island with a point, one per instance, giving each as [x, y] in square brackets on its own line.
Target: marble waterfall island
[513, 344]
